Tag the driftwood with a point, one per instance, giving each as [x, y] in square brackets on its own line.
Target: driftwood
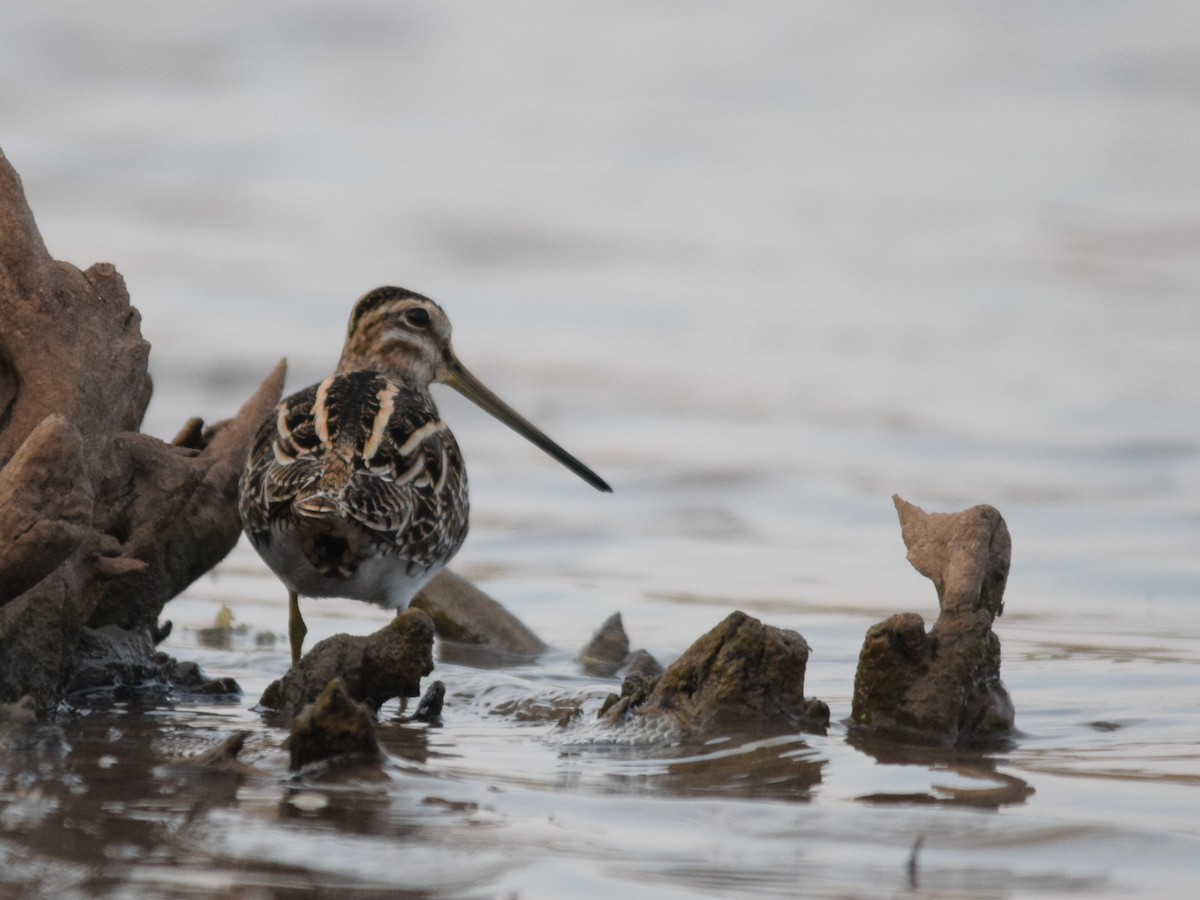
[99, 525]
[944, 685]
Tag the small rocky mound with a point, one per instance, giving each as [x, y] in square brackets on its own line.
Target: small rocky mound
[372, 669]
[741, 675]
[943, 685]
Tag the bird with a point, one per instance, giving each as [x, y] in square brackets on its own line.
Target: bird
[355, 487]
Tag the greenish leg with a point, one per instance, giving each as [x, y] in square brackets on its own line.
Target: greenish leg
[296, 627]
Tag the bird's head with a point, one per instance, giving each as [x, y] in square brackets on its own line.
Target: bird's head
[407, 336]
[401, 333]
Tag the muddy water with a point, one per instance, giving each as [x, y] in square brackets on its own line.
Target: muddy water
[760, 271]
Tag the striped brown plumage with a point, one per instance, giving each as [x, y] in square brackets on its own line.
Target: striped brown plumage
[354, 486]
[395, 497]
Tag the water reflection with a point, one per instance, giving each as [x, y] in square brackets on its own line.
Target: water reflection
[959, 776]
[775, 769]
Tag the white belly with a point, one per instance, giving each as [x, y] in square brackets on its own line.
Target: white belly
[382, 580]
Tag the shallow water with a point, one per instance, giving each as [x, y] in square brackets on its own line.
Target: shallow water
[760, 272]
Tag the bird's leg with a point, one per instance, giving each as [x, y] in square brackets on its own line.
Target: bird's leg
[296, 627]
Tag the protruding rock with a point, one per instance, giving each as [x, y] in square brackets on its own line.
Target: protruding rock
[430, 708]
[333, 726]
[608, 654]
[605, 653]
[641, 662]
[740, 675]
[944, 685]
[372, 669]
[465, 616]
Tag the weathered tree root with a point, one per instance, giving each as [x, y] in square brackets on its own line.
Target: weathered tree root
[99, 525]
[943, 686]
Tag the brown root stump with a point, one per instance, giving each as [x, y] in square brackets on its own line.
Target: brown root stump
[372, 669]
[942, 686]
[741, 675]
[99, 525]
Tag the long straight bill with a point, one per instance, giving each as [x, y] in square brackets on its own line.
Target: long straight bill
[475, 391]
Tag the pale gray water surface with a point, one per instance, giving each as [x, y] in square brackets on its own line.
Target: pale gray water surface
[761, 267]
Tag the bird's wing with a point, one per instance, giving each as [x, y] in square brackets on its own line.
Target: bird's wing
[285, 461]
[409, 478]
[365, 448]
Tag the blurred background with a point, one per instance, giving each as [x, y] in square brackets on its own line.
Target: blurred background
[760, 267]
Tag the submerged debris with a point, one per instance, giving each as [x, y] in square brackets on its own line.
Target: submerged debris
[333, 726]
[372, 669]
[944, 685]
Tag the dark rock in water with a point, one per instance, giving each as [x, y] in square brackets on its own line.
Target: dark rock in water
[99, 525]
[641, 662]
[372, 669]
[605, 653]
[944, 685]
[464, 615]
[740, 675]
[430, 708]
[188, 678]
[332, 726]
[113, 658]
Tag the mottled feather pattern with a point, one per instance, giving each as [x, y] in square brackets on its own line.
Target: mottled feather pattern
[369, 455]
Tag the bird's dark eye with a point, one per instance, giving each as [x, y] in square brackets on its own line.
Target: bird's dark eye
[417, 317]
